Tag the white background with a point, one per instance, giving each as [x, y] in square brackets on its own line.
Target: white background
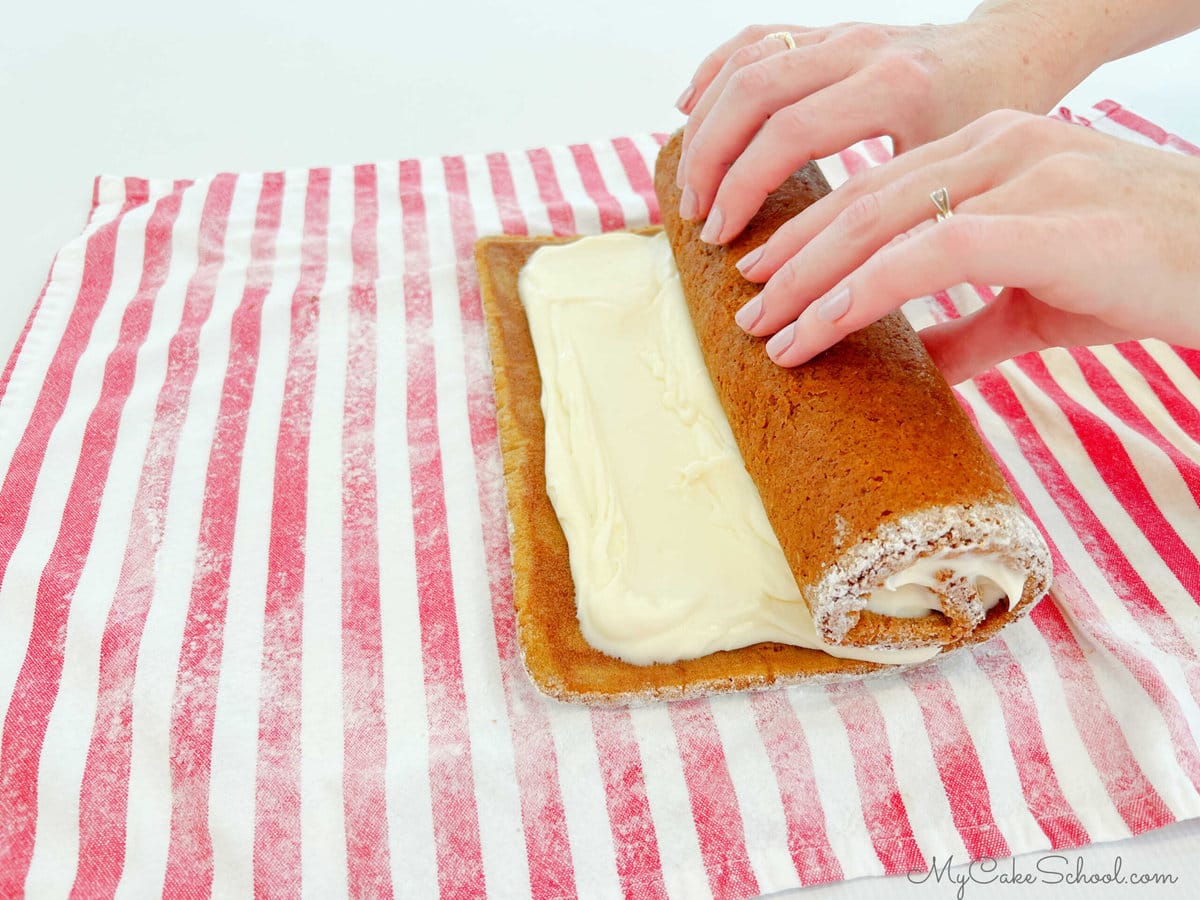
[174, 90]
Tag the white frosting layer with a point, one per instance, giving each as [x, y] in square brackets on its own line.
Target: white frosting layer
[909, 593]
[670, 549]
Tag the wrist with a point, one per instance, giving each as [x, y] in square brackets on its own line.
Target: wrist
[1051, 47]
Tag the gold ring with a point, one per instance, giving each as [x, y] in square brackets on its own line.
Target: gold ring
[941, 199]
[786, 37]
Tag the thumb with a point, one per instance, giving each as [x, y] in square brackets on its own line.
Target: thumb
[1002, 329]
[1015, 322]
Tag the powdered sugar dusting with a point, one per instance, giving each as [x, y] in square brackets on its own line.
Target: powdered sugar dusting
[995, 529]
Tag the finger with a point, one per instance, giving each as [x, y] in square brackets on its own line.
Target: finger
[748, 57]
[780, 302]
[999, 249]
[751, 95]
[868, 223]
[767, 46]
[798, 231]
[745, 55]
[713, 63]
[820, 125]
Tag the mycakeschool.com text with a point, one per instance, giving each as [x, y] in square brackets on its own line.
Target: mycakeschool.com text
[1052, 869]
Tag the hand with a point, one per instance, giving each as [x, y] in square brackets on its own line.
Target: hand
[1097, 239]
[757, 110]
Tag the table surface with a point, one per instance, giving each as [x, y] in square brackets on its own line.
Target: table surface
[154, 89]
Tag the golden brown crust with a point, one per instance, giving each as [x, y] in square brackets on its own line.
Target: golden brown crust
[829, 409]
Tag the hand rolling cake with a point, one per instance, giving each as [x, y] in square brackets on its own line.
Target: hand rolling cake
[892, 536]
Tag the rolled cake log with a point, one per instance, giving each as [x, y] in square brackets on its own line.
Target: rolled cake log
[867, 466]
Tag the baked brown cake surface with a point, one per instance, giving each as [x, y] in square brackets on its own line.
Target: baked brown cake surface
[861, 437]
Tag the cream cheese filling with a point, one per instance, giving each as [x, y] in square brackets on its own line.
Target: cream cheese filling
[670, 548]
[909, 593]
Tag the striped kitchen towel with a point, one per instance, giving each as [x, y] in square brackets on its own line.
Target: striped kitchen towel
[256, 624]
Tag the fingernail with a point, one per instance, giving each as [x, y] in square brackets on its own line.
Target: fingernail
[711, 232]
[750, 260]
[688, 203]
[781, 341]
[747, 317]
[679, 172]
[682, 102]
[833, 306]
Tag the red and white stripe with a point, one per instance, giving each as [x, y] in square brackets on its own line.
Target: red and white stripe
[276, 858]
[256, 625]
